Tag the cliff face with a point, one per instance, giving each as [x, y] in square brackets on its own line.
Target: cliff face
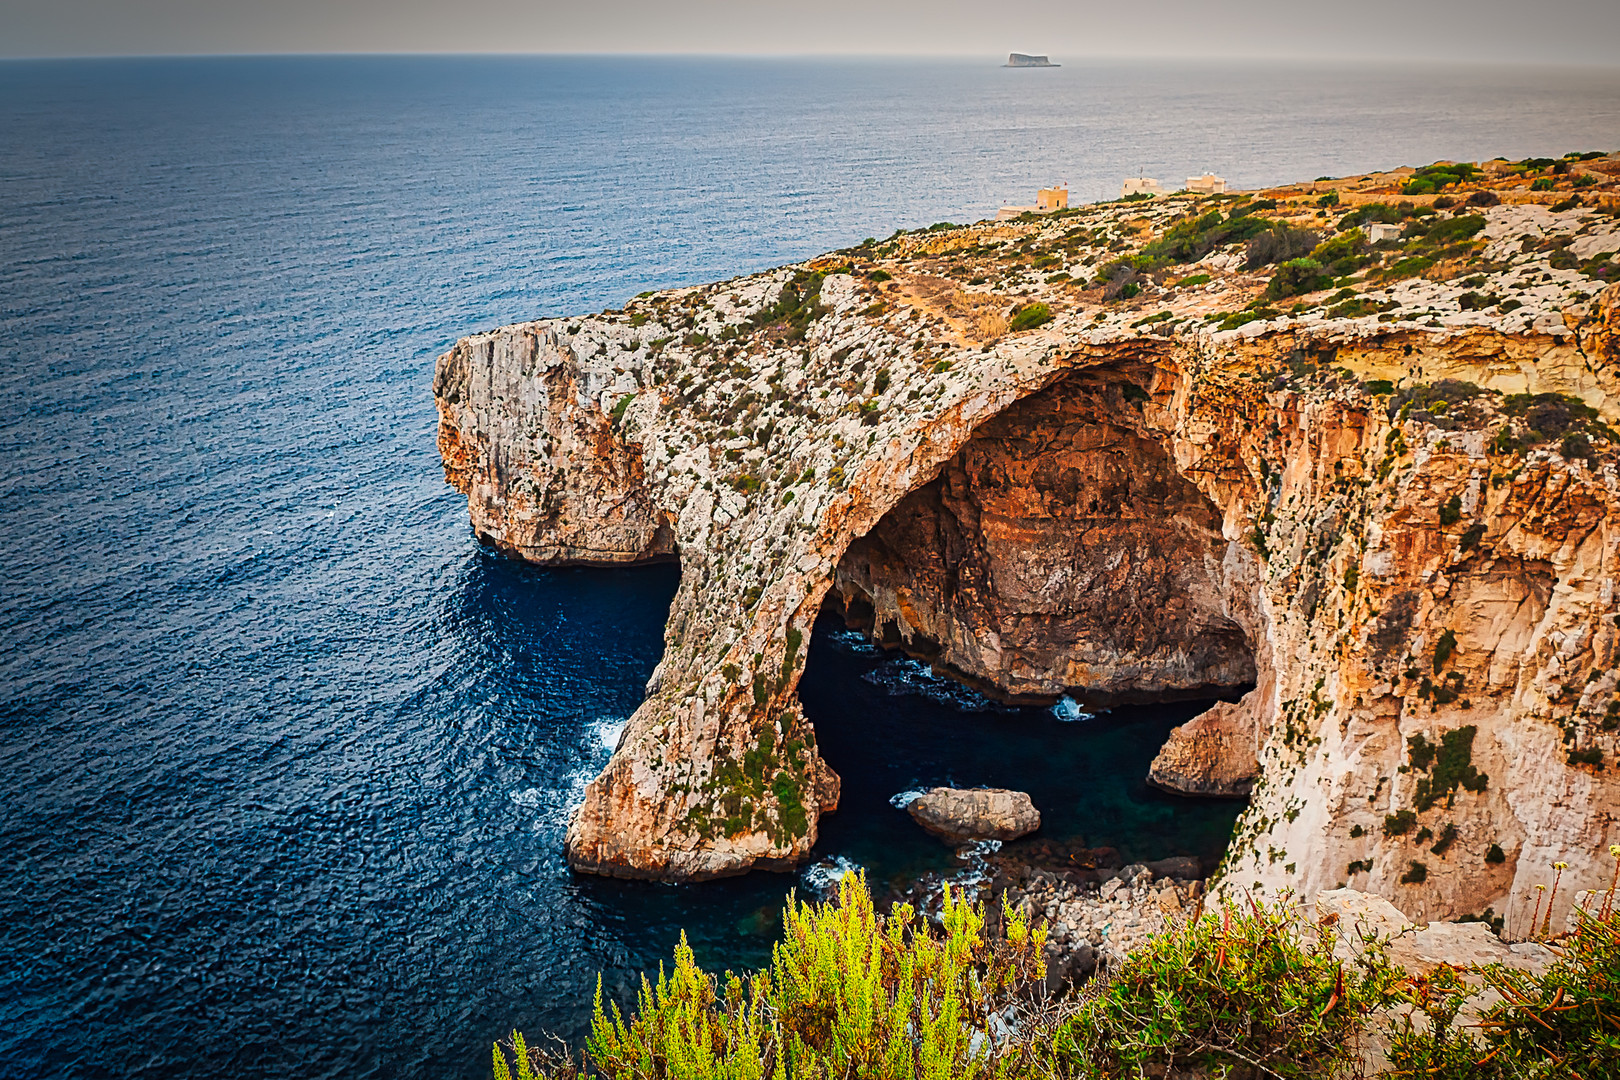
[1415, 575]
[518, 416]
[1058, 551]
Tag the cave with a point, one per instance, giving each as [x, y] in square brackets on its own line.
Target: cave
[1059, 552]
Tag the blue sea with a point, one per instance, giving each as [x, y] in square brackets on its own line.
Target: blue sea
[287, 757]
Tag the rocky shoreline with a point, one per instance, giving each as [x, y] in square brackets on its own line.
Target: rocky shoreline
[1097, 909]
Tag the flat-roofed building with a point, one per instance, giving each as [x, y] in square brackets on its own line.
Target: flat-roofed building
[1208, 184]
[1140, 185]
[1047, 200]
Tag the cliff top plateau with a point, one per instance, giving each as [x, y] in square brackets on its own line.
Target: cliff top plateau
[1341, 449]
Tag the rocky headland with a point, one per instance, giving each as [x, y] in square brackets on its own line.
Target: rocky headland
[1340, 450]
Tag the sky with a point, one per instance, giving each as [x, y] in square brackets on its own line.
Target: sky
[1585, 32]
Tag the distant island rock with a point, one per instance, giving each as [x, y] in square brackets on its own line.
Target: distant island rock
[1019, 59]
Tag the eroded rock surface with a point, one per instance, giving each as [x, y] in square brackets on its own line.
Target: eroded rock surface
[1059, 551]
[1215, 754]
[958, 814]
[1339, 499]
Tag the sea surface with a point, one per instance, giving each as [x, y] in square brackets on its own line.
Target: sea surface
[287, 758]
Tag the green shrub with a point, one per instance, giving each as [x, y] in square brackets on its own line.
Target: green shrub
[1561, 1023]
[1229, 990]
[1451, 510]
[1330, 199]
[1576, 445]
[1399, 823]
[1370, 212]
[1552, 416]
[1190, 239]
[1453, 230]
[1278, 244]
[1453, 768]
[879, 275]
[1297, 277]
[1233, 320]
[1408, 267]
[796, 306]
[1030, 316]
[1344, 254]
[1244, 209]
[1432, 178]
[1416, 874]
[848, 992]
[1544, 183]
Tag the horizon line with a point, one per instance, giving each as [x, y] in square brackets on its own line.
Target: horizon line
[1059, 59]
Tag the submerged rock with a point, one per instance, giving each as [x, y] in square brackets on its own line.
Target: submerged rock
[959, 814]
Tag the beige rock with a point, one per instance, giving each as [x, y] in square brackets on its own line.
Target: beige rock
[1420, 948]
[958, 814]
[1281, 523]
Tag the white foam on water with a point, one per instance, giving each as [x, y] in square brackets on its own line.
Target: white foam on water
[1068, 710]
[608, 732]
[821, 878]
[528, 797]
[906, 798]
[901, 675]
[854, 641]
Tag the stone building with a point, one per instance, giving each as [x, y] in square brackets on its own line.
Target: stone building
[1140, 185]
[1047, 200]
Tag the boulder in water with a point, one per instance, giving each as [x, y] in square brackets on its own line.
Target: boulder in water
[958, 814]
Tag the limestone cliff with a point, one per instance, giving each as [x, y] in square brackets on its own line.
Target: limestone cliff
[1375, 484]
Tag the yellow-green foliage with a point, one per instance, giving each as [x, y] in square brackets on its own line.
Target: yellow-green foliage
[1242, 988]
[849, 993]
[1251, 990]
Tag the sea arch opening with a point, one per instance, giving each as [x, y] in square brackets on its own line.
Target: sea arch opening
[1058, 565]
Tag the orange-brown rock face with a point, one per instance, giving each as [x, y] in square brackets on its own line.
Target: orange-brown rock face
[1058, 552]
[1216, 754]
[1362, 507]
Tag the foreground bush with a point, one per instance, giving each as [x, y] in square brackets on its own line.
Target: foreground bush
[1251, 991]
[1248, 988]
[1565, 1023]
[849, 993]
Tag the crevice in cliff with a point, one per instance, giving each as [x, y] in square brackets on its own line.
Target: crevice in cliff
[1060, 551]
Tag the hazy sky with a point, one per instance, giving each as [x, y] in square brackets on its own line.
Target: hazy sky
[1556, 31]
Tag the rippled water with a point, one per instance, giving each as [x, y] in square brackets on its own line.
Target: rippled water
[287, 757]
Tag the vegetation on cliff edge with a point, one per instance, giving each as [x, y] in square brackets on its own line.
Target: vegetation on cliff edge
[1253, 989]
